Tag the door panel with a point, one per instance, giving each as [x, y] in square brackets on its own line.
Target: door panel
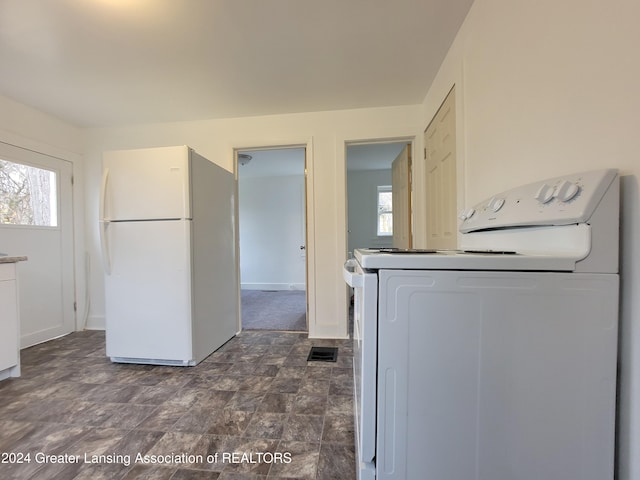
[440, 158]
[401, 192]
[46, 291]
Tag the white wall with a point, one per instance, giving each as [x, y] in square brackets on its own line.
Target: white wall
[362, 202]
[546, 88]
[271, 232]
[323, 133]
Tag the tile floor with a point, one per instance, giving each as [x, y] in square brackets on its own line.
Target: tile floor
[255, 409]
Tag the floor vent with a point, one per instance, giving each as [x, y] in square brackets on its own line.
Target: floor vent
[323, 354]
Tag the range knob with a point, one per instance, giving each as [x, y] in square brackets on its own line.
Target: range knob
[545, 193]
[467, 214]
[567, 191]
[496, 203]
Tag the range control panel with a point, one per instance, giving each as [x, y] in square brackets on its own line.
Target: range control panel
[562, 200]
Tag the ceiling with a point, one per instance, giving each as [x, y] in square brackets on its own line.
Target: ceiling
[99, 63]
[373, 156]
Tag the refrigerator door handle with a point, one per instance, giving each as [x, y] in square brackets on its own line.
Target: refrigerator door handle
[103, 192]
[104, 224]
[104, 246]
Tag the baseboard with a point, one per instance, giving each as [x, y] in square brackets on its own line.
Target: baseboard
[95, 322]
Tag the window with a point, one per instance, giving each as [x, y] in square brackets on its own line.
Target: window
[28, 195]
[385, 211]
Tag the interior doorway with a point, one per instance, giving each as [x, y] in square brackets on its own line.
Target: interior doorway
[272, 238]
[373, 198]
[370, 183]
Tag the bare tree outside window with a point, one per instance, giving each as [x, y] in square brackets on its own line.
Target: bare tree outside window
[27, 195]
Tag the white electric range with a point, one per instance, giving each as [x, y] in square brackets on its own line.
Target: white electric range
[496, 361]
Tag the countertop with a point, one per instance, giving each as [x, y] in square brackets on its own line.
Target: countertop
[8, 259]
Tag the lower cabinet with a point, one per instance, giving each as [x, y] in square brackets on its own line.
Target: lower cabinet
[9, 327]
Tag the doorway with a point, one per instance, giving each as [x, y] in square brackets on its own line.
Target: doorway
[371, 208]
[37, 222]
[378, 183]
[272, 238]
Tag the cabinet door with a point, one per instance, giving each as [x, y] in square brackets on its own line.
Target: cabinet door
[8, 324]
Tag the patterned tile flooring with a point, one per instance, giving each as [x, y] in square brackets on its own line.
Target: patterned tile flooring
[255, 409]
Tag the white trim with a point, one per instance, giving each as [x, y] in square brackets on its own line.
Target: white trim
[406, 134]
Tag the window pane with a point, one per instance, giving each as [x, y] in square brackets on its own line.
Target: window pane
[385, 211]
[28, 195]
[385, 224]
[384, 202]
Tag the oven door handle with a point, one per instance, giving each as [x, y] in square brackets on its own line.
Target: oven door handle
[351, 275]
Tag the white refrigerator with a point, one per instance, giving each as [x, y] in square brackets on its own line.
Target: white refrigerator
[168, 246]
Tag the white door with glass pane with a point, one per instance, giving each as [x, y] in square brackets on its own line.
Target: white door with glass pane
[36, 221]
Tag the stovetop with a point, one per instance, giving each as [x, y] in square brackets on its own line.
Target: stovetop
[429, 259]
[429, 251]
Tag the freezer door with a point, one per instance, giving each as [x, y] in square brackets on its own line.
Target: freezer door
[147, 294]
[145, 184]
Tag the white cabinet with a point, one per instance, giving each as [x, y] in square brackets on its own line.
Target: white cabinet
[9, 326]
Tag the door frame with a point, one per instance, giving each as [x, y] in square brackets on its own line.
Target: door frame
[307, 145]
[29, 153]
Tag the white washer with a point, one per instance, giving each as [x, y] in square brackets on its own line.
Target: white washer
[496, 361]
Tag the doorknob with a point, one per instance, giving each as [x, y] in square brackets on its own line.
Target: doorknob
[302, 247]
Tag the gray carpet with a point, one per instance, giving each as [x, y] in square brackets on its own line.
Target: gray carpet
[274, 310]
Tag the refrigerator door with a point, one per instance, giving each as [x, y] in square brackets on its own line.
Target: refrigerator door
[148, 293]
[145, 184]
[213, 257]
